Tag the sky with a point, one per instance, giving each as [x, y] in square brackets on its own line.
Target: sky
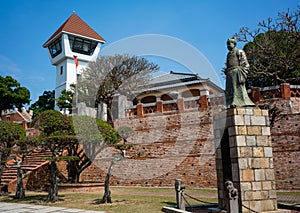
[203, 24]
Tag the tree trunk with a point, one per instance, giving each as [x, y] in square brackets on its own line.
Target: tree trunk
[73, 173]
[4, 156]
[1, 171]
[76, 167]
[20, 191]
[110, 119]
[107, 194]
[53, 188]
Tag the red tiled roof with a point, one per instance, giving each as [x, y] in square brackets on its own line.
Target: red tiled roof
[75, 25]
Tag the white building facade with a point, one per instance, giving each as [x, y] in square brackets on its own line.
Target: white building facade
[73, 45]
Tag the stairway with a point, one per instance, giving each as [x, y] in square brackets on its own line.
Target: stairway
[34, 161]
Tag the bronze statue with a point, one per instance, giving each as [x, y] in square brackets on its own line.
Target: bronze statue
[236, 71]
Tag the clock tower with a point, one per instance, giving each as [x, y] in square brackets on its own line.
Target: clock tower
[71, 47]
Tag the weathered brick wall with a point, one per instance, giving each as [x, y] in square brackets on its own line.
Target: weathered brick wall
[38, 179]
[286, 151]
[166, 147]
[167, 138]
[12, 117]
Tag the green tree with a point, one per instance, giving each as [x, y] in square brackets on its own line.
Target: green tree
[109, 75]
[124, 132]
[10, 133]
[25, 147]
[45, 102]
[65, 100]
[12, 94]
[93, 135]
[273, 50]
[56, 135]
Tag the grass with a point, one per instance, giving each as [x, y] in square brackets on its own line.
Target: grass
[125, 199]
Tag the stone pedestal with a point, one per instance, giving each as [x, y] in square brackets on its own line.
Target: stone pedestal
[244, 156]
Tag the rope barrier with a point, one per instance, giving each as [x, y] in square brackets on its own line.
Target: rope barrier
[249, 209]
[185, 200]
[202, 201]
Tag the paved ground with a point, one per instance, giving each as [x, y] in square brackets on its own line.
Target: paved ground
[27, 208]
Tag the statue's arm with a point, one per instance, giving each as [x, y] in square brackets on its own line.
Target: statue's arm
[243, 60]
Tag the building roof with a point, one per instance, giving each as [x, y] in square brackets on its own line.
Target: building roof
[75, 25]
[173, 77]
[177, 79]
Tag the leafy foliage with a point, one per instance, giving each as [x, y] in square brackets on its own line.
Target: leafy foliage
[125, 132]
[273, 50]
[89, 129]
[45, 102]
[65, 100]
[93, 136]
[109, 75]
[12, 94]
[56, 136]
[10, 133]
[52, 123]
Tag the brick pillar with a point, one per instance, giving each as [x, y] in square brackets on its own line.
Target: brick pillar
[255, 94]
[285, 91]
[180, 104]
[203, 101]
[24, 125]
[244, 156]
[159, 106]
[140, 110]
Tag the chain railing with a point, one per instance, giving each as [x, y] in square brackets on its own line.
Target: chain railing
[182, 198]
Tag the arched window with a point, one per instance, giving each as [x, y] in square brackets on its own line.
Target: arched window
[135, 101]
[149, 99]
[190, 93]
[166, 97]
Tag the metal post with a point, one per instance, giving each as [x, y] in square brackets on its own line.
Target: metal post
[179, 194]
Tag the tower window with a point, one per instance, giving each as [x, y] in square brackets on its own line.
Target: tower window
[61, 70]
[82, 45]
[55, 48]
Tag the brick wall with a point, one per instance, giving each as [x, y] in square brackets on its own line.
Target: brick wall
[167, 138]
[166, 147]
[286, 151]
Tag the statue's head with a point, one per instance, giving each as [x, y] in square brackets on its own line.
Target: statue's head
[231, 43]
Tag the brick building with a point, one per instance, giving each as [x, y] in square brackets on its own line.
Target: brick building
[177, 141]
[23, 117]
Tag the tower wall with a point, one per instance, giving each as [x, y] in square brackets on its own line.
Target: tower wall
[66, 72]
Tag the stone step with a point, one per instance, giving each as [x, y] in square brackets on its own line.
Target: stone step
[38, 156]
[10, 170]
[7, 180]
[33, 162]
[29, 167]
[9, 176]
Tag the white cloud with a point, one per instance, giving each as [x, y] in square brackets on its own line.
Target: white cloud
[8, 67]
[34, 79]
